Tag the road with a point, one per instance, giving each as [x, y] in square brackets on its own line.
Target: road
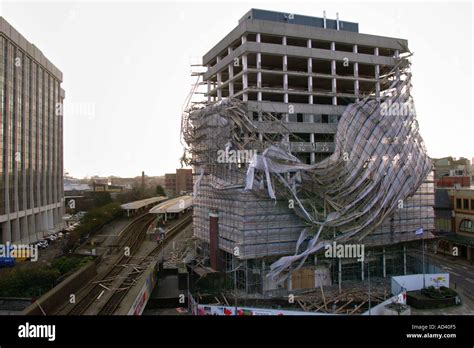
[461, 278]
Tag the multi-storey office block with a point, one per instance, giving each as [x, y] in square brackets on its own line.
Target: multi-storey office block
[31, 153]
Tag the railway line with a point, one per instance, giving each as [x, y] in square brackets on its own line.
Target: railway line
[134, 234]
[126, 267]
[115, 300]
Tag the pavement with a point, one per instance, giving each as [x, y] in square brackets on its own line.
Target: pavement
[461, 279]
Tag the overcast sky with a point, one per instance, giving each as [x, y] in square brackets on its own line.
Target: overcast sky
[126, 70]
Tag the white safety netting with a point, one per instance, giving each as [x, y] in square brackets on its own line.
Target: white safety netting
[379, 161]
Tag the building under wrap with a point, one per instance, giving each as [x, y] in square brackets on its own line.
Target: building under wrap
[308, 136]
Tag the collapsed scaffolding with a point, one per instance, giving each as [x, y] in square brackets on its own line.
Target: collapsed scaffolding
[375, 188]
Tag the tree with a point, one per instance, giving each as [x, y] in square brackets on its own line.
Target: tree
[101, 199]
[160, 191]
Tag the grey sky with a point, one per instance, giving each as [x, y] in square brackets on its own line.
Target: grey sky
[130, 61]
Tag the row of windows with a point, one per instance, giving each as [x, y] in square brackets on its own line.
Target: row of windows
[33, 94]
[466, 226]
[463, 204]
[303, 42]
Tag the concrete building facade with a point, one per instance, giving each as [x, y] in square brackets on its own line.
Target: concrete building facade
[303, 71]
[306, 65]
[31, 154]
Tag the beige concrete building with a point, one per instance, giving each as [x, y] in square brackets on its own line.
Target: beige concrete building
[31, 148]
[461, 242]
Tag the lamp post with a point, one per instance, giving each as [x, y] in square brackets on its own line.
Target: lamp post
[368, 278]
[235, 286]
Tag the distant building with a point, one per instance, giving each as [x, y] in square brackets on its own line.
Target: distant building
[74, 187]
[105, 187]
[462, 240]
[176, 184]
[450, 166]
[450, 172]
[453, 181]
[101, 180]
[31, 148]
[443, 211]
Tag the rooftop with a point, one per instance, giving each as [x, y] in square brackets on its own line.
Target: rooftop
[293, 18]
[174, 205]
[142, 203]
[34, 52]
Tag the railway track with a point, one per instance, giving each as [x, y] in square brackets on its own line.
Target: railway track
[115, 300]
[134, 234]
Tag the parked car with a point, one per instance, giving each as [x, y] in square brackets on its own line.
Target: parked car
[50, 238]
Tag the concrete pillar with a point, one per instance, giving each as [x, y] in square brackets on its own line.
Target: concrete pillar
[312, 155]
[6, 232]
[310, 69]
[44, 221]
[377, 75]
[56, 216]
[245, 83]
[16, 237]
[231, 83]
[24, 230]
[208, 96]
[356, 75]
[259, 67]
[310, 77]
[259, 73]
[31, 227]
[50, 219]
[333, 73]
[219, 84]
[383, 263]
[285, 83]
[219, 81]
[214, 241]
[285, 68]
[285, 77]
[39, 225]
[397, 55]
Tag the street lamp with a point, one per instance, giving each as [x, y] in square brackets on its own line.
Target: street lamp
[368, 278]
[235, 285]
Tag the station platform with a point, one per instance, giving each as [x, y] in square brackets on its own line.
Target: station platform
[175, 205]
[132, 208]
